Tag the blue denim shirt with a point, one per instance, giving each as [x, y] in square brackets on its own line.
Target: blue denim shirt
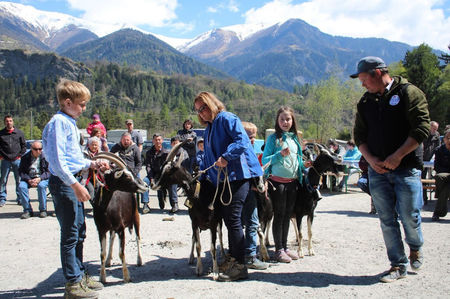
[61, 143]
[225, 137]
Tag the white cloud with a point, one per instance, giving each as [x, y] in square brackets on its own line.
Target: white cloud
[231, 6]
[112, 14]
[409, 21]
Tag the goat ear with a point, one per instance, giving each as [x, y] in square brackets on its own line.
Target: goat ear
[118, 174]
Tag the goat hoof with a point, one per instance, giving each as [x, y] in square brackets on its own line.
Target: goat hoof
[311, 252]
[191, 261]
[127, 280]
[139, 261]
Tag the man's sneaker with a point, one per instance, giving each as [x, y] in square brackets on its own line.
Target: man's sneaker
[227, 262]
[77, 290]
[2, 203]
[235, 272]
[91, 283]
[26, 215]
[416, 259]
[282, 257]
[252, 262]
[42, 214]
[292, 254]
[145, 209]
[394, 274]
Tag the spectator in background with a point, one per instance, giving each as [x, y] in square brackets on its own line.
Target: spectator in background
[129, 152]
[96, 123]
[200, 153]
[352, 154]
[154, 159]
[136, 137]
[34, 173]
[89, 175]
[363, 181]
[340, 151]
[184, 157]
[12, 147]
[429, 146]
[97, 132]
[442, 177]
[188, 134]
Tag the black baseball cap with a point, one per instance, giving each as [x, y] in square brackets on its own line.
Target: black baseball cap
[368, 63]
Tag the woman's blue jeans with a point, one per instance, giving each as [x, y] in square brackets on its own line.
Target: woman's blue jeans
[397, 195]
[70, 214]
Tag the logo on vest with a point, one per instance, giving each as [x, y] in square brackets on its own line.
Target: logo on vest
[395, 99]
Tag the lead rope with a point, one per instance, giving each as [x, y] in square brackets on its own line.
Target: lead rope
[226, 182]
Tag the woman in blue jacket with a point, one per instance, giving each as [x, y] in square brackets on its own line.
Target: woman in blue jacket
[284, 155]
[228, 147]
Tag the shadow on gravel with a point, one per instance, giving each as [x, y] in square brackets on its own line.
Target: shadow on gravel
[348, 213]
[164, 268]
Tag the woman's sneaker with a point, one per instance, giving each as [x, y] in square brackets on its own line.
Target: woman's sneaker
[282, 257]
[292, 254]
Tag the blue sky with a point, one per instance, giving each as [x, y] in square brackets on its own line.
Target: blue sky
[409, 21]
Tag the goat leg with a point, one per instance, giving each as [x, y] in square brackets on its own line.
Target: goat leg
[112, 236]
[126, 275]
[102, 257]
[298, 235]
[214, 254]
[219, 230]
[310, 248]
[199, 268]
[138, 237]
[262, 246]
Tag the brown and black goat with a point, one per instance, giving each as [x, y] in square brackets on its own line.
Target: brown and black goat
[202, 217]
[115, 209]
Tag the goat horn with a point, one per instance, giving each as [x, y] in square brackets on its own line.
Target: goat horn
[174, 151]
[111, 157]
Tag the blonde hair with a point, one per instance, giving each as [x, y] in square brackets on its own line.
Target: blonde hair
[76, 92]
[250, 128]
[210, 100]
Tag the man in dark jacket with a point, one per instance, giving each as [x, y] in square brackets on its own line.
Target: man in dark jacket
[429, 146]
[391, 122]
[442, 168]
[34, 173]
[189, 146]
[154, 159]
[129, 152]
[12, 147]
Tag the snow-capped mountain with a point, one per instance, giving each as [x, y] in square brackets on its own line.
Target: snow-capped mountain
[24, 26]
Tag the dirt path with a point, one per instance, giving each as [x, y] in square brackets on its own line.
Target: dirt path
[350, 255]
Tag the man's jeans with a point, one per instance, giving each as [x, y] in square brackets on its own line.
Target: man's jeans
[70, 214]
[173, 197]
[24, 196]
[398, 194]
[251, 222]
[5, 168]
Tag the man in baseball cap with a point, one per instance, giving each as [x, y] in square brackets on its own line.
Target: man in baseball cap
[367, 64]
[391, 122]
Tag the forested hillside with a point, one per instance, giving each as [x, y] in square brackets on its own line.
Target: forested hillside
[155, 102]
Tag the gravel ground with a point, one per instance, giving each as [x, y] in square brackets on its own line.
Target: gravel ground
[350, 257]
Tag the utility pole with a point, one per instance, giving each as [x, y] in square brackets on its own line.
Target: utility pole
[31, 124]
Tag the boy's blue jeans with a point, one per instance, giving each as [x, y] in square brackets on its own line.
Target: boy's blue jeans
[397, 195]
[251, 222]
[70, 214]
